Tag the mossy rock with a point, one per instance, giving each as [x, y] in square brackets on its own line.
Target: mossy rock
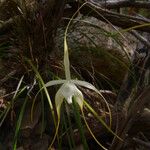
[102, 63]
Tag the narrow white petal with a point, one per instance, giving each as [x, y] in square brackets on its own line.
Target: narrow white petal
[87, 85]
[54, 82]
[58, 101]
[84, 84]
[66, 60]
[79, 101]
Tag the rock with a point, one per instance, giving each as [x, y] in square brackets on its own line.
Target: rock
[20, 148]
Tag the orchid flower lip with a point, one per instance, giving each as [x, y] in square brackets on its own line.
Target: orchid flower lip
[67, 91]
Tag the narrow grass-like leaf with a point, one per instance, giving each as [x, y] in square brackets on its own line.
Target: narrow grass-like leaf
[17, 89]
[4, 115]
[79, 124]
[70, 129]
[43, 84]
[32, 108]
[134, 27]
[55, 135]
[43, 110]
[70, 141]
[92, 132]
[19, 123]
[100, 119]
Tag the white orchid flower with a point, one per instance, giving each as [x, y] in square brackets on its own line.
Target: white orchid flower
[68, 90]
